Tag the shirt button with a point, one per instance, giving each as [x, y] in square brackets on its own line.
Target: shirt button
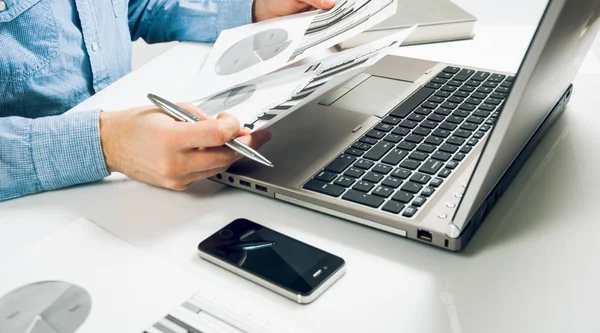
[94, 47]
[2, 6]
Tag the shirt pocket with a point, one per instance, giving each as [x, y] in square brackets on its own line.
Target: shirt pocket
[28, 38]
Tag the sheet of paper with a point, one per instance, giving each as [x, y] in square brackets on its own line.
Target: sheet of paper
[247, 52]
[83, 279]
[261, 102]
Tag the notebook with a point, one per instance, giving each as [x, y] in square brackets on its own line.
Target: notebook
[437, 20]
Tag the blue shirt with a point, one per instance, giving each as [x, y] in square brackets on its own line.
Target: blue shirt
[56, 53]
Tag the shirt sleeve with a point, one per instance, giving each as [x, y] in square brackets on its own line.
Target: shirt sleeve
[49, 153]
[186, 20]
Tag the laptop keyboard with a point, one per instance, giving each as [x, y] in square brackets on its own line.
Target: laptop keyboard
[398, 165]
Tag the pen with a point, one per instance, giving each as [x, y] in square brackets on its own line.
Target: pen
[180, 114]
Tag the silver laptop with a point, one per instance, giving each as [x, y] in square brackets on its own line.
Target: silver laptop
[422, 149]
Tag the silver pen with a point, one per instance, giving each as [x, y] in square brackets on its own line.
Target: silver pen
[183, 115]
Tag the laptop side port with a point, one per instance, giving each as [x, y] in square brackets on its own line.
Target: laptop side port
[261, 188]
[424, 235]
[245, 183]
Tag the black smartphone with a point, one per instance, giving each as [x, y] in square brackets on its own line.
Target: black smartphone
[280, 263]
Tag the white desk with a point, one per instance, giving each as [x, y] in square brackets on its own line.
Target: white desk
[532, 267]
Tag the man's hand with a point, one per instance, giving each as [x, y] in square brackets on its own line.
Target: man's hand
[150, 146]
[268, 9]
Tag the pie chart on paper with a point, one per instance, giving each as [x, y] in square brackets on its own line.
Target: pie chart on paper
[252, 50]
[44, 307]
[227, 100]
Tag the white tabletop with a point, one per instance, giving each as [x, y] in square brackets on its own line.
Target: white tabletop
[532, 266]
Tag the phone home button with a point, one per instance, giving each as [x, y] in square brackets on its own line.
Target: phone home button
[226, 233]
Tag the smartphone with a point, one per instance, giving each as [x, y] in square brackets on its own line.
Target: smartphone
[296, 270]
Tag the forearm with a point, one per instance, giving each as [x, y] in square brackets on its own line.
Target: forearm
[49, 153]
[186, 20]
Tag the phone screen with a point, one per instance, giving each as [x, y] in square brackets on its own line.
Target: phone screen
[272, 256]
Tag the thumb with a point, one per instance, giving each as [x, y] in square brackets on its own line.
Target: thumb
[191, 108]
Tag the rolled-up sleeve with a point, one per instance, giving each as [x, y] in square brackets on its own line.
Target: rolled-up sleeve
[186, 20]
[48, 153]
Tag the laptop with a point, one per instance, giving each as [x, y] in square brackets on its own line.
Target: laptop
[422, 149]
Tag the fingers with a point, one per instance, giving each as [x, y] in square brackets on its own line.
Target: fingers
[320, 4]
[207, 133]
[219, 157]
[191, 108]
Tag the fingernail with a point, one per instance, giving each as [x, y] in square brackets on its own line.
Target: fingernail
[328, 2]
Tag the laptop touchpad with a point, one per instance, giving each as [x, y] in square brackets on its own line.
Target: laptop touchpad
[373, 95]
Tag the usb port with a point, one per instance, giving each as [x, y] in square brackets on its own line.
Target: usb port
[261, 188]
[424, 235]
[244, 183]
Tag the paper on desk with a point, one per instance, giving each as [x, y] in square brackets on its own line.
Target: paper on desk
[247, 52]
[261, 102]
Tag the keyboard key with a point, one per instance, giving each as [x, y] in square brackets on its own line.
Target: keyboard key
[506, 84]
[382, 168]
[429, 105]
[357, 145]
[368, 140]
[455, 119]
[466, 73]
[461, 113]
[454, 83]
[394, 138]
[442, 93]
[352, 172]
[441, 156]
[475, 120]
[451, 70]
[414, 138]
[395, 156]
[373, 177]
[405, 145]
[481, 113]
[503, 90]
[455, 99]
[480, 76]
[324, 188]
[406, 107]
[451, 165]
[467, 89]
[409, 212]
[379, 150]
[340, 163]
[354, 152]
[408, 124]
[485, 128]
[449, 88]
[326, 176]
[426, 148]
[510, 79]
[493, 101]
[422, 111]
[490, 84]
[421, 131]
[449, 105]
[364, 164]
[499, 95]
[433, 85]
[462, 133]
[468, 126]
[434, 140]
[448, 126]
[449, 148]
[412, 187]
[461, 93]
[429, 124]
[418, 156]
[403, 197]
[490, 121]
[344, 181]
[440, 133]
[384, 127]
[428, 191]
[363, 186]
[459, 157]
[479, 95]
[391, 182]
[410, 164]
[439, 80]
[445, 173]
[420, 178]
[472, 142]
[466, 149]
[365, 146]
[497, 77]
[416, 117]
[479, 134]
[391, 120]
[436, 182]
[484, 90]
[473, 83]
[401, 173]
[445, 75]
[363, 198]
[467, 107]
[393, 207]
[383, 191]
[431, 167]
[401, 131]
[455, 140]
[436, 117]
[375, 134]
[442, 111]
[487, 107]
[419, 201]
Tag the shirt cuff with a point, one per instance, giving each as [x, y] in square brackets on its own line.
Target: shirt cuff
[233, 13]
[66, 150]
